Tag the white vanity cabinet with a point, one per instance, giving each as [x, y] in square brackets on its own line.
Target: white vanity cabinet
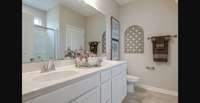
[114, 84]
[119, 84]
[106, 92]
[91, 97]
[82, 89]
[104, 86]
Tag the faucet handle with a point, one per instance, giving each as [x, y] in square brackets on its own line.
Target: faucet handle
[51, 65]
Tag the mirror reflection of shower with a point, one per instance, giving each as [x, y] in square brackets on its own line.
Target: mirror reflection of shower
[39, 42]
[56, 32]
[44, 44]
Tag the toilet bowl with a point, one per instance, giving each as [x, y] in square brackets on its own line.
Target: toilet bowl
[131, 80]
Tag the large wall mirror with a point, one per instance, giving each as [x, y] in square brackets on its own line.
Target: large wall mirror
[61, 27]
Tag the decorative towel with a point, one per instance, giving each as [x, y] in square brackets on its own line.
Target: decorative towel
[93, 46]
[160, 48]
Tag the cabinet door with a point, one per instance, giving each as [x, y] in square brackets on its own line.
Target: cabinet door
[124, 84]
[116, 89]
[70, 92]
[106, 92]
[91, 97]
[119, 87]
[119, 83]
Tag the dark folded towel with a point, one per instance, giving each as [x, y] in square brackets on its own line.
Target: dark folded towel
[160, 48]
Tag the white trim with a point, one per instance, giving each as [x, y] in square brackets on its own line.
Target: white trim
[160, 90]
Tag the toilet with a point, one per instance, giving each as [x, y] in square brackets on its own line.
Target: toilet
[131, 80]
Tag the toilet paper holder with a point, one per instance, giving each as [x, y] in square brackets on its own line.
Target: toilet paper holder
[150, 67]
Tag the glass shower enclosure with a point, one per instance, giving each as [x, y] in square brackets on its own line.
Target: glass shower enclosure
[40, 45]
[44, 43]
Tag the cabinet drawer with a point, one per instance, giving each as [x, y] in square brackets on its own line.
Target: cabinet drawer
[92, 96]
[118, 69]
[70, 92]
[105, 76]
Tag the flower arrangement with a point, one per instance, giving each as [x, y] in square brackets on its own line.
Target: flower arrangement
[86, 59]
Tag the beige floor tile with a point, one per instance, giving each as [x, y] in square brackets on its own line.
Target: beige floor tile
[144, 96]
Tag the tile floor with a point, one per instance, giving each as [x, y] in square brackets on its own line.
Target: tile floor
[144, 96]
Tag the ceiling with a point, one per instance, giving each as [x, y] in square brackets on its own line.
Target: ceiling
[76, 5]
[122, 2]
[80, 6]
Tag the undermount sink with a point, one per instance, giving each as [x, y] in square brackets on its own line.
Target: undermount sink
[54, 75]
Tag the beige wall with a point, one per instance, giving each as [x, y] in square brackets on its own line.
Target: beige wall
[108, 8]
[35, 12]
[155, 16]
[95, 26]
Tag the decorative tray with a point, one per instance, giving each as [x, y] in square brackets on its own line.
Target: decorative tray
[88, 65]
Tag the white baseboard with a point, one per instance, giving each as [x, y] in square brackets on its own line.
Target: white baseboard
[160, 90]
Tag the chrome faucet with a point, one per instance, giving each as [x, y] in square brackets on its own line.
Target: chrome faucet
[48, 67]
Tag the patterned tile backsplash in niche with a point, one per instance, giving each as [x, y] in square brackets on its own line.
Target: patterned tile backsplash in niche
[134, 39]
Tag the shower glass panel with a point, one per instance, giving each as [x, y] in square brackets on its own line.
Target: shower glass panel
[44, 43]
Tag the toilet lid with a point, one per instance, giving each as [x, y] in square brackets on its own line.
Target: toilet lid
[132, 78]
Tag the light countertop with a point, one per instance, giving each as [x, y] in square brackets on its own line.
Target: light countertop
[32, 88]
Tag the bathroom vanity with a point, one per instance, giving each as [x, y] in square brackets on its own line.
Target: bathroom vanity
[62, 34]
[69, 84]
